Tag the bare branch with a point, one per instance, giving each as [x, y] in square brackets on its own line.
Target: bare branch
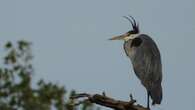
[105, 101]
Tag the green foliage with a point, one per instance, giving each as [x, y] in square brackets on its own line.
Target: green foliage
[16, 91]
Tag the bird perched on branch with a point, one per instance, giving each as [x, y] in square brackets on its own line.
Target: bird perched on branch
[146, 60]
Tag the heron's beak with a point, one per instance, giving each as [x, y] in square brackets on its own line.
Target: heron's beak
[121, 37]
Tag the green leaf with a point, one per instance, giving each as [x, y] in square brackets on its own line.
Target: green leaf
[8, 45]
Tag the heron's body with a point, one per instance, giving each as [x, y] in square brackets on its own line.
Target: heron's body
[146, 60]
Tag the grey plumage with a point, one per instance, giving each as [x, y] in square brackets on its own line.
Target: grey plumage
[146, 60]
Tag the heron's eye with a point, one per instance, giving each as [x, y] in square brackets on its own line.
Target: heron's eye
[129, 33]
[132, 32]
[136, 42]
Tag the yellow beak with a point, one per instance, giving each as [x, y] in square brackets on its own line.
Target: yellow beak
[120, 37]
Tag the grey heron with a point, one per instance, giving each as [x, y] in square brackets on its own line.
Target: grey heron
[146, 60]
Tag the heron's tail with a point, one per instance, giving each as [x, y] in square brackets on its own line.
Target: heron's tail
[156, 94]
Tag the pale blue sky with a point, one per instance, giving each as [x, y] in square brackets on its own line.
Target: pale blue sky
[71, 48]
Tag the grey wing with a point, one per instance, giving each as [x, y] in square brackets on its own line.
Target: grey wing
[147, 62]
[148, 68]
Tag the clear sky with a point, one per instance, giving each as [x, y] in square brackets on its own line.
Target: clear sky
[71, 48]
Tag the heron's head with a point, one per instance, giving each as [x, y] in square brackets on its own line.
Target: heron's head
[130, 34]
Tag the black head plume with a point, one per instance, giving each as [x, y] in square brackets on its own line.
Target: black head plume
[135, 26]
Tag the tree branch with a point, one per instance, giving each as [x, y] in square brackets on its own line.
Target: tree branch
[105, 101]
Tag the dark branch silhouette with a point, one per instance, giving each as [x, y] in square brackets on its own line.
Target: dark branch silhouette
[105, 101]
